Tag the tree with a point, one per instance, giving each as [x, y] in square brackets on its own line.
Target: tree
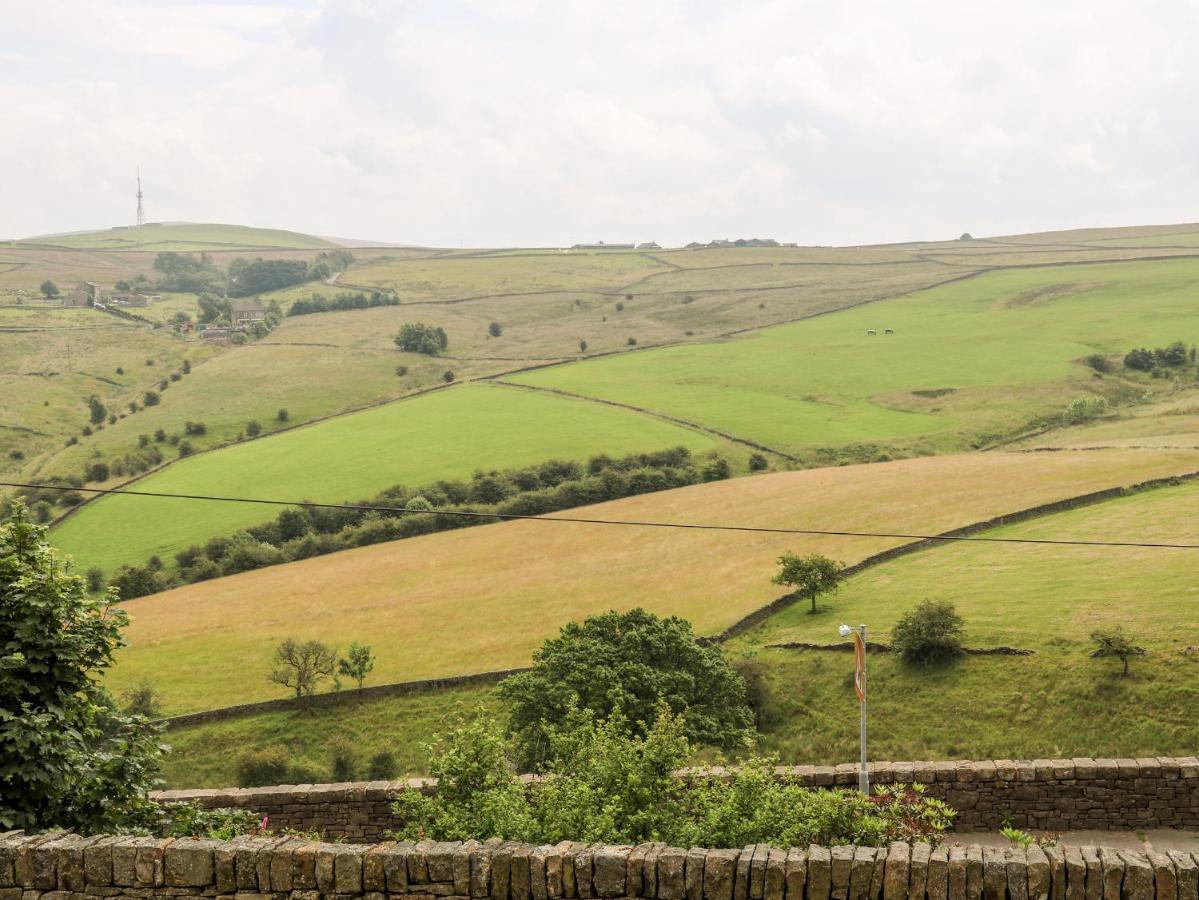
[302, 667]
[97, 411]
[810, 575]
[495, 329]
[417, 337]
[630, 662]
[448, 376]
[929, 634]
[357, 664]
[150, 398]
[68, 757]
[1139, 358]
[582, 346]
[49, 289]
[1114, 642]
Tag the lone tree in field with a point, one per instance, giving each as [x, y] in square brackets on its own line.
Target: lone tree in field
[357, 664]
[632, 662]
[68, 757]
[810, 575]
[929, 635]
[417, 337]
[495, 329]
[302, 667]
[1114, 642]
[49, 289]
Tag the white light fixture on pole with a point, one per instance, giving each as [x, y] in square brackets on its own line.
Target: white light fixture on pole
[859, 686]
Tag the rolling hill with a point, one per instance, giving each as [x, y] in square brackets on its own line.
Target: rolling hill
[181, 236]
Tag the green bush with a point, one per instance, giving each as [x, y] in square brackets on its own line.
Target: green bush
[604, 783]
[417, 337]
[382, 766]
[259, 768]
[758, 462]
[929, 634]
[192, 820]
[1084, 409]
[343, 758]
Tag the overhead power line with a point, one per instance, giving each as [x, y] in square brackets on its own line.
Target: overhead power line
[578, 520]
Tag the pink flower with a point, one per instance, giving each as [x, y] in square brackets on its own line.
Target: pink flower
[262, 825]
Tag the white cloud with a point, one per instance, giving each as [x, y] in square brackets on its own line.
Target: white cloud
[547, 121]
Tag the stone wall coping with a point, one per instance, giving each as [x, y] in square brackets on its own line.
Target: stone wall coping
[845, 774]
[61, 866]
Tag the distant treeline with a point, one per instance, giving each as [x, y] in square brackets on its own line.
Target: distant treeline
[535, 490]
[318, 304]
[199, 274]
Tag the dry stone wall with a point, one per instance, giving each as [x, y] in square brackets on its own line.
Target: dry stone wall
[61, 866]
[1049, 794]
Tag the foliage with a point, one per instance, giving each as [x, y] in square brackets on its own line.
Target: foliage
[630, 663]
[130, 582]
[262, 767]
[318, 303]
[142, 699]
[181, 820]
[97, 412]
[448, 376]
[606, 783]
[1084, 409]
[189, 273]
[1114, 642]
[261, 275]
[95, 579]
[382, 766]
[929, 634]
[150, 398]
[302, 667]
[68, 757]
[343, 758]
[1098, 362]
[810, 575]
[49, 289]
[495, 329]
[417, 337]
[357, 663]
[758, 462]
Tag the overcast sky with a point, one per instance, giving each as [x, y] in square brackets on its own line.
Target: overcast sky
[545, 122]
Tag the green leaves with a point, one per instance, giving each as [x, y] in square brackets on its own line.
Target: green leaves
[68, 757]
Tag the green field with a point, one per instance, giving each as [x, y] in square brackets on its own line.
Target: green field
[448, 434]
[1056, 703]
[182, 237]
[1006, 343]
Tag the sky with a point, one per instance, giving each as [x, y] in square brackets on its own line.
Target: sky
[549, 122]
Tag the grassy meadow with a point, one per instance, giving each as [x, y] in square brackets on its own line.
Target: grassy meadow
[448, 434]
[183, 236]
[484, 598]
[978, 356]
[1056, 703]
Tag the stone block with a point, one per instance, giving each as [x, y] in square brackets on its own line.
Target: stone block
[395, 866]
[974, 872]
[820, 873]
[461, 867]
[861, 872]
[440, 860]
[895, 877]
[840, 871]
[418, 862]
[347, 868]
[190, 863]
[610, 865]
[537, 885]
[97, 862]
[1057, 872]
[956, 873]
[938, 874]
[149, 862]
[757, 871]
[1165, 878]
[1037, 878]
[518, 869]
[1016, 865]
[374, 874]
[583, 854]
[303, 867]
[1138, 883]
[671, 874]
[570, 884]
[501, 871]
[282, 865]
[649, 870]
[795, 875]
[879, 875]
[480, 869]
[262, 863]
[1094, 881]
[68, 861]
[1113, 873]
[918, 870]
[741, 879]
[720, 871]
[776, 866]
[693, 873]
[994, 874]
[245, 863]
[1186, 873]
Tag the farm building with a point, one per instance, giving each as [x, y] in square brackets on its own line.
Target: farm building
[129, 298]
[649, 245]
[243, 313]
[86, 293]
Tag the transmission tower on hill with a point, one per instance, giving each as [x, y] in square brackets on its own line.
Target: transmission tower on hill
[141, 212]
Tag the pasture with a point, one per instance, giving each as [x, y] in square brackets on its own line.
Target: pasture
[995, 350]
[484, 598]
[448, 434]
[183, 236]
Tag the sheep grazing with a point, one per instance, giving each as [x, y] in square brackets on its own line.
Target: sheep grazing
[871, 331]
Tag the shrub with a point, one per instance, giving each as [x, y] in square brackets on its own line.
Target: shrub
[495, 329]
[417, 337]
[582, 346]
[1084, 409]
[259, 768]
[632, 342]
[1114, 642]
[758, 695]
[95, 580]
[343, 759]
[135, 581]
[630, 662]
[160, 435]
[253, 428]
[382, 766]
[142, 699]
[120, 371]
[619, 307]
[929, 634]
[186, 448]
[97, 472]
[282, 415]
[195, 428]
[1140, 359]
[447, 376]
[183, 820]
[150, 398]
[401, 371]
[96, 410]
[16, 455]
[758, 462]
[185, 367]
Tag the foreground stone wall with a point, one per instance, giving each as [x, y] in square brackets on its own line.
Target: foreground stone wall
[68, 867]
[1049, 794]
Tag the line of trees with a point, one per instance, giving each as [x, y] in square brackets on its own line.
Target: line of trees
[318, 303]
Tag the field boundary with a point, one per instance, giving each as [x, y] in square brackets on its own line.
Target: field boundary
[401, 688]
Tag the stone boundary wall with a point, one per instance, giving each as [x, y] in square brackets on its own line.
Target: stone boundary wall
[1048, 794]
[62, 866]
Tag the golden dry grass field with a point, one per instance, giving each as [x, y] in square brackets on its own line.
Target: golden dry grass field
[485, 598]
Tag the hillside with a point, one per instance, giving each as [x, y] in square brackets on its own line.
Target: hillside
[485, 598]
[181, 236]
[1055, 703]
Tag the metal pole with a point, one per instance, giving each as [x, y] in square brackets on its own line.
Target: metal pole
[863, 775]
